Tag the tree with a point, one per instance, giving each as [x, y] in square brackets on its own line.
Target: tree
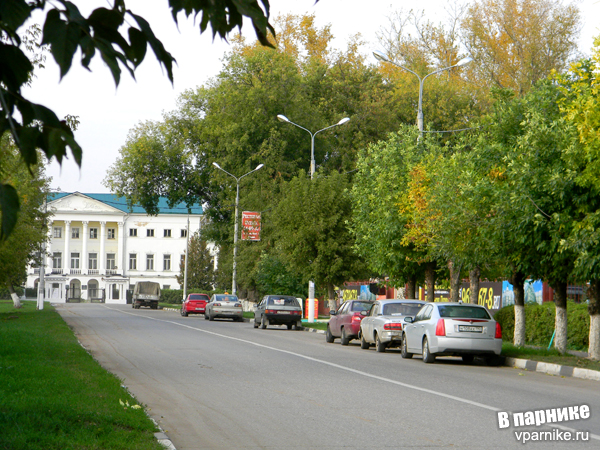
[312, 232]
[515, 43]
[22, 246]
[66, 31]
[580, 107]
[200, 266]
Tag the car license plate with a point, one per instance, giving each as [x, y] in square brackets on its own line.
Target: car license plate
[470, 329]
[198, 309]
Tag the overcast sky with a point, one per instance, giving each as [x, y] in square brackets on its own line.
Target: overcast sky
[107, 113]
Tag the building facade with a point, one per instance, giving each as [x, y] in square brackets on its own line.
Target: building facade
[99, 247]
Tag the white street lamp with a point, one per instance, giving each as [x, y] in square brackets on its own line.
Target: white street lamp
[282, 118]
[384, 58]
[235, 229]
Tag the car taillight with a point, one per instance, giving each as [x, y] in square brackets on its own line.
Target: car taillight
[295, 312]
[440, 328]
[270, 311]
[498, 331]
[356, 318]
[217, 304]
[392, 326]
[237, 305]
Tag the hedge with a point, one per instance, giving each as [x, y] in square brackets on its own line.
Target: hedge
[539, 324]
[5, 295]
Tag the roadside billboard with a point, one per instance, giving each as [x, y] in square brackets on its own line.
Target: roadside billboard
[250, 226]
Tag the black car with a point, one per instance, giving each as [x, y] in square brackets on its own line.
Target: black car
[278, 310]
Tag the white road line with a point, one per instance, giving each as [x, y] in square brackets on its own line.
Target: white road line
[349, 369]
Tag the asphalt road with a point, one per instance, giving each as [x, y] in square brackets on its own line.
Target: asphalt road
[226, 385]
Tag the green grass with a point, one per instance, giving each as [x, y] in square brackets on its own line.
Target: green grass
[549, 356]
[315, 325]
[54, 395]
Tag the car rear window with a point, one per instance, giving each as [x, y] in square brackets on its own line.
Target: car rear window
[401, 309]
[226, 298]
[199, 297]
[464, 312]
[361, 306]
[283, 301]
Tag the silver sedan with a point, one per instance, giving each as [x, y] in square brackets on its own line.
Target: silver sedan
[224, 305]
[383, 326]
[452, 329]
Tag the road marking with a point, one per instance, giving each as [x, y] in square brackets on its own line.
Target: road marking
[348, 369]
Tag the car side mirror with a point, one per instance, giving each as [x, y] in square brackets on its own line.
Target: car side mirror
[408, 319]
[332, 313]
[364, 313]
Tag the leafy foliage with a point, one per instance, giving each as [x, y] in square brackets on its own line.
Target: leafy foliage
[200, 265]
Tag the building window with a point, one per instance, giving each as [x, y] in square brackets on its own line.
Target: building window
[167, 233]
[93, 261]
[132, 261]
[110, 233]
[74, 233]
[93, 233]
[57, 260]
[115, 291]
[74, 260]
[57, 232]
[149, 262]
[183, 232]
[166, 262]
[111, 261]
[133, 232]
[149, 233]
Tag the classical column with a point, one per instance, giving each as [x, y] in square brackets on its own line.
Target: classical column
[84, 255]
[120, 253]
[67, 258]
[102, 256]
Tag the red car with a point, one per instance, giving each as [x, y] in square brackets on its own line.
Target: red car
[194, 304]
[345, 322]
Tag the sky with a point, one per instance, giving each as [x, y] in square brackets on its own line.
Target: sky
[107, 113]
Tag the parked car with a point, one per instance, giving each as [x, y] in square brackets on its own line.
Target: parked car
[452, 329]
[383, 326]
[224, 305]
[194, 304]
[278, 310]
[345, 322]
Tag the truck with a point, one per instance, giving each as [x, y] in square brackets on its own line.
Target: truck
[146, 293]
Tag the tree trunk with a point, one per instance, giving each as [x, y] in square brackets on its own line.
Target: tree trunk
[594, 311]
[331, 297]
[474, 275]
[454, 281]
[14, 296]
[517, 279]
[560, 323]
[430, 280]
[411, 288]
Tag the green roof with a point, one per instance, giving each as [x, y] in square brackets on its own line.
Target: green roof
[121, 203]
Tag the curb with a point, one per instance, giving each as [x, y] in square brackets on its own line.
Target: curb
[552, 369]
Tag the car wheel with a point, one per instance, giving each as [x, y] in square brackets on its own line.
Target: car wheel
[405, 353]
[468, 359]
[328, 336]
[184, 313]
[255, 323]
[379, 345]
[205, 316]
[264, 322]
[344, 340]
[211, 317]
[493, 360]
[289, 325]
[428, 357]
[298, 325]
[363, 344]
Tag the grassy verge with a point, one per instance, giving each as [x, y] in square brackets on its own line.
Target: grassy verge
[54, 395]
[315, 325]
[549, 356]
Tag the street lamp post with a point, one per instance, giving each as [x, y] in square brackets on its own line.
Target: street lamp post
[384, 58]
[235, 229]
[282, 118]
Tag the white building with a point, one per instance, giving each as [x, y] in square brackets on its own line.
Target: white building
[99, 247]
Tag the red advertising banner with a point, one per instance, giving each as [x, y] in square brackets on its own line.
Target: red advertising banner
[250, 226]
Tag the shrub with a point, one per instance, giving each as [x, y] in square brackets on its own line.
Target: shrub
[539, 324]
[5, 295]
